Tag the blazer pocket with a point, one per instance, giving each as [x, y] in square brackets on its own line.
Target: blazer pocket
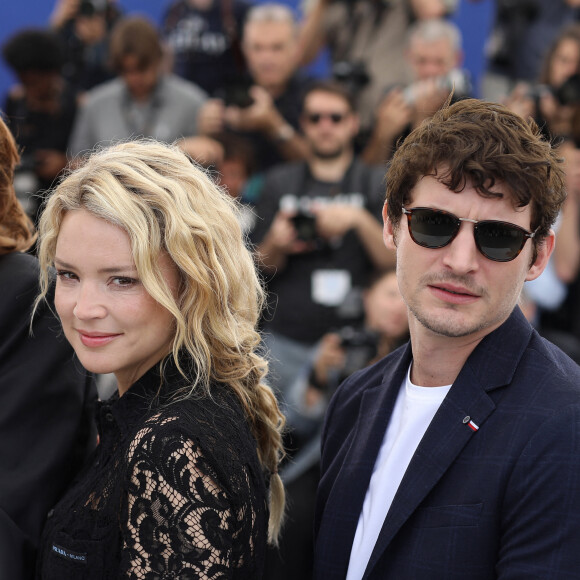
[448, 516]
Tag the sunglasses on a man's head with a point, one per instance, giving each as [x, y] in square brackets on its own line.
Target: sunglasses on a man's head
[315, 118]
[496, 240]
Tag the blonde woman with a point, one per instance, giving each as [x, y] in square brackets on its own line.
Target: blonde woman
[155, 285]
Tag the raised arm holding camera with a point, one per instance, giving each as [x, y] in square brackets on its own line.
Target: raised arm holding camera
[434, 55]
[366, 42]
[555, 99]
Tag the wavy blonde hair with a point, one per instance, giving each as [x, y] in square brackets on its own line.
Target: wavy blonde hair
[16, 228]
[166, 203]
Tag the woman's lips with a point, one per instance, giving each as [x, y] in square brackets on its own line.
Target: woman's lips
[96, 339]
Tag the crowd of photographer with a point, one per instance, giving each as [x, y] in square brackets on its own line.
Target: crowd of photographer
[226, 80]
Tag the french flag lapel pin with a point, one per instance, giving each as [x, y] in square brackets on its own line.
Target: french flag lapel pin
[470, 423]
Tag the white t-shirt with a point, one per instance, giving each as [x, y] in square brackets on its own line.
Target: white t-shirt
[414, 409]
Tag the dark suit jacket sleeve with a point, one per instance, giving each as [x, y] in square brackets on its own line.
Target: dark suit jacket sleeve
[46, 418]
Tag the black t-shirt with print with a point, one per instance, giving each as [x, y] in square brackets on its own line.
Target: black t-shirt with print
[307, 297]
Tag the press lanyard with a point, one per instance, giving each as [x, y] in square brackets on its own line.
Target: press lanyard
[140, 120]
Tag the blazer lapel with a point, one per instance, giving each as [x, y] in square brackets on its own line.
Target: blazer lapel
[462, 413]
[347, 496]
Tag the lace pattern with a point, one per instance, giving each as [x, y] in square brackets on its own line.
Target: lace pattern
[171, 493]
[178, 517]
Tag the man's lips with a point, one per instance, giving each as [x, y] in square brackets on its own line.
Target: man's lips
[94, 339]
[453, 294]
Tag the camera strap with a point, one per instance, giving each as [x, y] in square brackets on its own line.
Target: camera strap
[140, 120]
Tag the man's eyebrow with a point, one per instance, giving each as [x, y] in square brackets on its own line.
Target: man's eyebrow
[110, 270]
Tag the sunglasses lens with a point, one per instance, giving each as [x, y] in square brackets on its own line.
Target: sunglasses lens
[499, 241]
[315, 118]
[433, 229]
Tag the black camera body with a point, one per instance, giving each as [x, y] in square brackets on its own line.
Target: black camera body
[236, 91]
[568, 93]
[352, 336]
[360, 345]
[305, 225]
[353, 75]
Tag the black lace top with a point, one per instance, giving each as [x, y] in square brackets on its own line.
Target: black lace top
[171, 492]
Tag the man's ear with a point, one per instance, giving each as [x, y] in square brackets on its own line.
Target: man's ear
[545, 249]
[355, 124]
[388, 231]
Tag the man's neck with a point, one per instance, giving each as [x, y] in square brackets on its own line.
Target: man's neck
[438, 360]
[331, 170]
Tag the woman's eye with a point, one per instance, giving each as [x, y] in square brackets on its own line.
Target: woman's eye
[124, 281]
[65, 275]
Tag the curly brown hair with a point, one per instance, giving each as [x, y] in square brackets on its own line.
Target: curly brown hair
[16, 228]
[484, 144]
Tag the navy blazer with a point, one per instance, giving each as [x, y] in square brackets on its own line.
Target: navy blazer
[499, 502]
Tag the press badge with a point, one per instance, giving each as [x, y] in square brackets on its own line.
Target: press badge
[330, 287]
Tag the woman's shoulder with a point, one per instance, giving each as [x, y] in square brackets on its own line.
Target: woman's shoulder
[208, 430]
[216, 412]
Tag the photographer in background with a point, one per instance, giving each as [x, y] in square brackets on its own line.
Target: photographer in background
[203, 38]
[366, 37]
[142, 101]
[433, 56]
[264, 107]
[338, 354]
[521, 34]
[84, 28]
[40, 112]
[319, 233]
[555, 100]
[554, 103]
[350, 348]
